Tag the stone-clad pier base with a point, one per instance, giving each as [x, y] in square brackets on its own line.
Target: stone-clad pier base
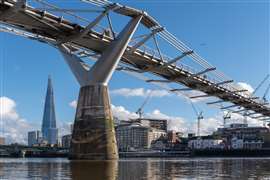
[93, 136]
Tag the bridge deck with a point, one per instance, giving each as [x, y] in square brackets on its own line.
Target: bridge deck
[56, 28]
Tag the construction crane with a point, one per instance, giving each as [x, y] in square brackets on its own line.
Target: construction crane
[199, 118]
[260, 85]
[266, 101]
[265, 94]
[140, 110]
[245, 114]
[226, 116]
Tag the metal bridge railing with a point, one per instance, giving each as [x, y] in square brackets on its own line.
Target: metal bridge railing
[153, 53]
[147, 50]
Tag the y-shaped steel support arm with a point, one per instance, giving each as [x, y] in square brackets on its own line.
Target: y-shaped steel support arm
[102, 70]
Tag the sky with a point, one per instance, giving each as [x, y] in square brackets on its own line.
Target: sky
[231, 35]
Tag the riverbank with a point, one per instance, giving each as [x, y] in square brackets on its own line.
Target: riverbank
[60, 153]
[231, 153]
[154, 154]
[198, 153]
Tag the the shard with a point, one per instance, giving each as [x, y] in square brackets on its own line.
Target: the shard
[49, 130]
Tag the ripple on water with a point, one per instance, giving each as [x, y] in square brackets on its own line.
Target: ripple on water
[136, 169]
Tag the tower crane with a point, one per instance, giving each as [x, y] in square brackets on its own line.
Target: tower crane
[255, 90]
[260, 85]
[226, 116]
[140, 110]
[199, 118]
[265, 99]
[265, 94]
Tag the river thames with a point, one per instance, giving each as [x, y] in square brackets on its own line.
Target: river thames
[133, 169]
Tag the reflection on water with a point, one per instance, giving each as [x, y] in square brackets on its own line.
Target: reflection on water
[85, 170]
[134, 169]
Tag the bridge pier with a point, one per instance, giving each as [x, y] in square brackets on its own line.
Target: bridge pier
[93, 136]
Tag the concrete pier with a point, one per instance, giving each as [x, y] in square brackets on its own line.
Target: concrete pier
[93, 136]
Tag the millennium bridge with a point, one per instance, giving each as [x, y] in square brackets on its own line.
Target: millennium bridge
[128, 50]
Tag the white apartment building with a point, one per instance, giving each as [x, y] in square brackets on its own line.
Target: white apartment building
[205, 144]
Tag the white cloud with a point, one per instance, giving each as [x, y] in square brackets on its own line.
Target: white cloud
[208, 124]
[140, 92]
[246, 86]
[7, 108]
[166, 89]
[174, 123]
[122, 114]
[13, 127]
[181, 124]
[118, 111]
[64, 128]
[237, 118]
[73, 104]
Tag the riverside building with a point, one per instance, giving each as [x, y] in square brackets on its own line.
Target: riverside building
[136, 136]
[33, 137]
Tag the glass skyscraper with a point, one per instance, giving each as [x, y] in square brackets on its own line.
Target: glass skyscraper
[49, 130]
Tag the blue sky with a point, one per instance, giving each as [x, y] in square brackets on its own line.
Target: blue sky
[232, 35]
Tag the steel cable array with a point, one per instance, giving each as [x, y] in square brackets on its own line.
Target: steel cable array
[179, 45]
[214, 76]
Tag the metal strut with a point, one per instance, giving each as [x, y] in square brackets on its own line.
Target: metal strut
[88, 28]
[146, 38]
[179, 57]
[102, 70]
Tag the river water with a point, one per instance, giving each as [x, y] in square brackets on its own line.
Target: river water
[136, 169]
